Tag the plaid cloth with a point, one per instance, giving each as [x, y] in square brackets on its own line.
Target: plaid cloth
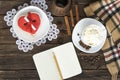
[108, 12]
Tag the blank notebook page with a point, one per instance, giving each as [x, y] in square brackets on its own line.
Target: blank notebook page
[67, 60]
[46, 66]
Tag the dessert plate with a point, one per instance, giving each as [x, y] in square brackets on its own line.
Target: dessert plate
[78, 31]
[42, 30]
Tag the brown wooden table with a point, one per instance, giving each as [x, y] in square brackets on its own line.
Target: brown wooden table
[16, 65]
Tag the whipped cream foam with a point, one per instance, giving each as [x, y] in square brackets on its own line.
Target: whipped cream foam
[92, 35]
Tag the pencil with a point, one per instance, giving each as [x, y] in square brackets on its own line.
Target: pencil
[56, 62]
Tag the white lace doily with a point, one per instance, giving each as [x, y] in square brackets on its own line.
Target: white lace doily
[25, 46]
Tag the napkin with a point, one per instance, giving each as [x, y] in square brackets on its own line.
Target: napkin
[108, 12]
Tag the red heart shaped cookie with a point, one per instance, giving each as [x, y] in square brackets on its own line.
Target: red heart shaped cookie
[29, 23]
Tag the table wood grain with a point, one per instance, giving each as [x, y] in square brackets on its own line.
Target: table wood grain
[16, 65]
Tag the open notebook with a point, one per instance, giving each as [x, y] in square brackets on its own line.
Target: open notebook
[57, 63]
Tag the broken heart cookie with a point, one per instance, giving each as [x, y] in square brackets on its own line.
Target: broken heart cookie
[29, 23]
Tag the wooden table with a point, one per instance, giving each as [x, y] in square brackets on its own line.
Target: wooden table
[16, 65]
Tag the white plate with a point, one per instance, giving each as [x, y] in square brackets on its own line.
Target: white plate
[41, 32]
[79, 27]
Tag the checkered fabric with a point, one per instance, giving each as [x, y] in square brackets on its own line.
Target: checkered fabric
[108, 12]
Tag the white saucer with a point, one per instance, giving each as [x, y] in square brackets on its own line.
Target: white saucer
[41, 32]
[80, 26]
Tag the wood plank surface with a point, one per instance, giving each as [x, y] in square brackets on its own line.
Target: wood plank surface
[16, 65]
[25, 61]
[32, 75]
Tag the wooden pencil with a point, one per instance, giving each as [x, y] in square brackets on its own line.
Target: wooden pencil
[56, 62]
